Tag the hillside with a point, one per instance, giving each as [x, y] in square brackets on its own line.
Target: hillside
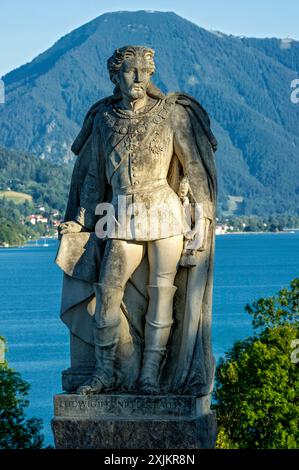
[243, 83]
[42, 181]
[15, 196]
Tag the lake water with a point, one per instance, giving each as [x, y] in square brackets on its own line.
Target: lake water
[247, 267]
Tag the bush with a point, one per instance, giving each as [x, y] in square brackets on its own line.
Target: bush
[257, 383]
[16, 432]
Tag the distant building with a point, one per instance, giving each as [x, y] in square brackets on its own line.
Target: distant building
[56, 223]
[222, 229]
[37, 219]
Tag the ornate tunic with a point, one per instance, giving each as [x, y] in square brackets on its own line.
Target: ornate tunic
[138, 150]
[134, 153]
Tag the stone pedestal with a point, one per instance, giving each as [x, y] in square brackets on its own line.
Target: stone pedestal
[112, 421]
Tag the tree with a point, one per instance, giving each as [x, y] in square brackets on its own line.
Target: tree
[257, 382]
[281, 309]
[16, 432]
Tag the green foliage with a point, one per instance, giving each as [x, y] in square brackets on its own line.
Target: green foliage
[11, 230]
[257, 384]
[16, 432]
[46, 182]
[277, 310]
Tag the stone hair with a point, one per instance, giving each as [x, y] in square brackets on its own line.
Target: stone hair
[115, 62]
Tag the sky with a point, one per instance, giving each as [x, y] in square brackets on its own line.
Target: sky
[29, 27]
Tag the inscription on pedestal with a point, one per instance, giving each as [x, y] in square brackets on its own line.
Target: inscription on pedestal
[126, 405]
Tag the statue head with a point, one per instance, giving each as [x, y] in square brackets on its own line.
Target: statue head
[130, 69]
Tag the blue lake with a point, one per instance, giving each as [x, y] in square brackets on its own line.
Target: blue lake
[247, 267]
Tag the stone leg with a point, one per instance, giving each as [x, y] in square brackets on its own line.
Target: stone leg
[159, 319]
[106, 337]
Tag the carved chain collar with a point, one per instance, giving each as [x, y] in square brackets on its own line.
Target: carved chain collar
[123, 122]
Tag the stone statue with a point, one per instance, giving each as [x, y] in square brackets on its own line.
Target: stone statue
[137, 243]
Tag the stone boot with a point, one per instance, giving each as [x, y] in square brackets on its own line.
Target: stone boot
[106, 337]
[159, 319]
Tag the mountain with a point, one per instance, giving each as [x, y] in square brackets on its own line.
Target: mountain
[244, 83]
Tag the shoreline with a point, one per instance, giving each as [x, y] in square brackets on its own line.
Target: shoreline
[29, 241]
[289, 232]
[260, 233]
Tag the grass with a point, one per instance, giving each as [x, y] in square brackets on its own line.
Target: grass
[16, 197]
[233, 204]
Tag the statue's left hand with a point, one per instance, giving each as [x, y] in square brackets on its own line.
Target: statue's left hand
[197, 237]
[69, 227]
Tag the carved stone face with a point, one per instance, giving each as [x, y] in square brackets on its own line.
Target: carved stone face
[133, 77]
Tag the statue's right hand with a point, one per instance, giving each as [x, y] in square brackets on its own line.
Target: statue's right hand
[69, 227]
